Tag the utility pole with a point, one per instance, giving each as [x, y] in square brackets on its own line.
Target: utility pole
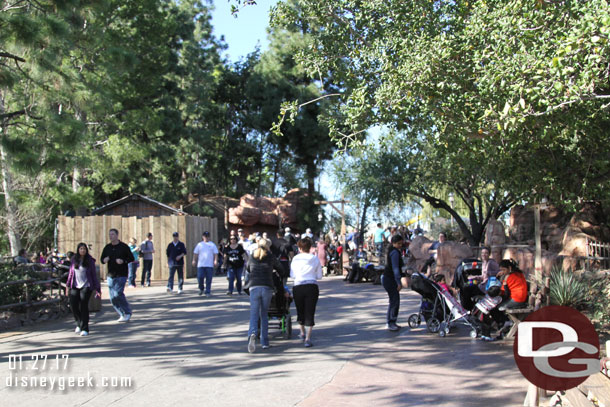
[341, 211]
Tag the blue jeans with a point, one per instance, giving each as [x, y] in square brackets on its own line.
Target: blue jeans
[260, 298]
[392, 288]
[146, 271]
[207, 273]
[116, 286]
[234, 274]
[172, 271]
[133, 267]
[379, 247]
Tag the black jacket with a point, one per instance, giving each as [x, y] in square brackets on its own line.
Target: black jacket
[114, 252]
[261, 272]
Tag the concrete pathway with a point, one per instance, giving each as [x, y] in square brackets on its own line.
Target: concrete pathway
[189, 350]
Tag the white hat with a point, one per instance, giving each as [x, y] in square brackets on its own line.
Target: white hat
[308, 230]
[287, 230]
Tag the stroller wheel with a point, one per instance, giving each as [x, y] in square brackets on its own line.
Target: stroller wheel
[433, 325]
[414, 321]
[443, 329]
[473, 334]
[442, 333]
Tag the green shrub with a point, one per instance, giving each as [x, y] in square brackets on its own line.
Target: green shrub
[568, 289]
[598, 302]
[16, 293]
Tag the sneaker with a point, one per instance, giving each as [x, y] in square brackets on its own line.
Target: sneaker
[301, 337]
[486, 338]
[147, 284]
[200, 292]
[132, 286]
[308, 344]
[252, 343]
[392, 327]
[121, 319]
[168, 290]
[179, 291]
[239, 293]
[77, 330]
[127, 317]
[208, 295]
[229, 292]
[84, 333]
[265, 346]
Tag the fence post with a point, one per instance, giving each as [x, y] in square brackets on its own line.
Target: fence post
[28, 299]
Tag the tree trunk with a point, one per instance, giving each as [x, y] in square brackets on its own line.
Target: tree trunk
[311, 172]
[365, 208]
[7, 185]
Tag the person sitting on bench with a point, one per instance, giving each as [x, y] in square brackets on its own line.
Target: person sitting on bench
[514, 289]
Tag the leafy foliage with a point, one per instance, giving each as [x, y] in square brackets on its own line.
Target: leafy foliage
[514, 93]
[568, 289]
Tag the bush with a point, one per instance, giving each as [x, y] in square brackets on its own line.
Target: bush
[598, 301]
[568, 289]
[16, 293]
[585, 291]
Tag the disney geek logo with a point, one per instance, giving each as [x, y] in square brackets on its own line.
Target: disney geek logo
[556, 348]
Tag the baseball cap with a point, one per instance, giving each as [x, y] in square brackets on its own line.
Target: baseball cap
[175, 234]
[206, 233]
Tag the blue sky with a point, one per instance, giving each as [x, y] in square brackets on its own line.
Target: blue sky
[243, 33]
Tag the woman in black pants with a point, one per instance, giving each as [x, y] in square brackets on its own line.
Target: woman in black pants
[305, 269]
[82, 281]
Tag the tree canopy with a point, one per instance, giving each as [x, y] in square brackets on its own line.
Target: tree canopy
[99, 99]
[508, 99]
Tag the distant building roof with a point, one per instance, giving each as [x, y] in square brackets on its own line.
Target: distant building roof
[137, 198]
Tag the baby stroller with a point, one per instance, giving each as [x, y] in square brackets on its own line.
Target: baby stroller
[467, 267]
[279, 314]
[439, 308]
[431, 307]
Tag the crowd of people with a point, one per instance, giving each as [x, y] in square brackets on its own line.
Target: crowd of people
[255, 264]
[261, 266]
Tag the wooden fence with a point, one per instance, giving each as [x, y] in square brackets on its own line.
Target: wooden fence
[93, 230]
[597, 253]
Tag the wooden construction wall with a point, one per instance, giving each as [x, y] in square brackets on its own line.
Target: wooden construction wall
[93, 230]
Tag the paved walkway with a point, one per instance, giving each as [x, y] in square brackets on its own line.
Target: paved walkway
[188, 350]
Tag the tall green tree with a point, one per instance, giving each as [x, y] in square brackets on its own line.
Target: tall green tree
[36, 41]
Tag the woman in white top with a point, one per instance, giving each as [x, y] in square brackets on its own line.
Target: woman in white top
[305, 269]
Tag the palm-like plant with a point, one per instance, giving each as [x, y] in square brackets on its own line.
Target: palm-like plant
[568, 289]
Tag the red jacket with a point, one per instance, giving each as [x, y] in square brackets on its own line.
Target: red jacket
[516, 285]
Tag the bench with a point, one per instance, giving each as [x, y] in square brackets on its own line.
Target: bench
[538, 297]
[595, 391]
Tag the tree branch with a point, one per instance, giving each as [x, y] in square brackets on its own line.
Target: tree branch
[11, 56]
[12, 114]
